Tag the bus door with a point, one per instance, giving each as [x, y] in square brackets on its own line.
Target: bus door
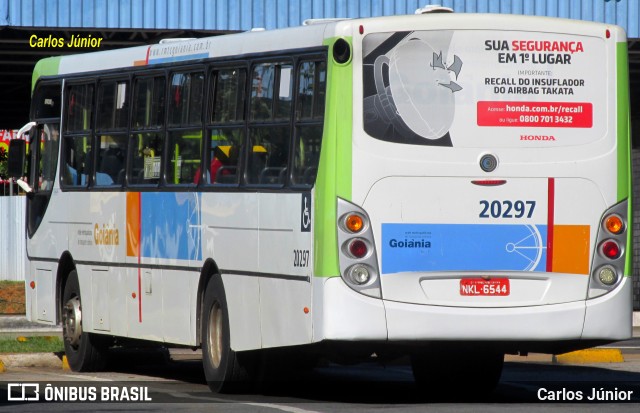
[43, 150]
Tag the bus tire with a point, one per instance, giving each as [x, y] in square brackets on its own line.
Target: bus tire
[84, 351]
[459, 374]
[222, 367]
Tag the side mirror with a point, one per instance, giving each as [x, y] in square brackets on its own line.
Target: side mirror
[17, 157]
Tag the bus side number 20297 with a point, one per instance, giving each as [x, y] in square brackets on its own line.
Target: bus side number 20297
[300, 258]
[507, 209]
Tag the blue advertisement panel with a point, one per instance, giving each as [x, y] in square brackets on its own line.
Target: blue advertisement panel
[170, 225]
[463, 247]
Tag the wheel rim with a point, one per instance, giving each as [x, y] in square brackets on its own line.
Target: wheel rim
[215, 335]
[72, 321]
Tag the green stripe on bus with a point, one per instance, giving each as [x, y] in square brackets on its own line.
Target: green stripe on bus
[624, 144]
[624, 172]
[334, 171]
[45, 67]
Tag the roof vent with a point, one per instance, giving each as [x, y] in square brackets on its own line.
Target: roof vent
[433, 8]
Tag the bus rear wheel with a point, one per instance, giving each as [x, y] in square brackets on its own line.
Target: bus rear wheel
[85, 351]
[223, 369]
[460, 374]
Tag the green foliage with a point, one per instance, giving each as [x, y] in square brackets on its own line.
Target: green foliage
[31, 345]
[3, 163]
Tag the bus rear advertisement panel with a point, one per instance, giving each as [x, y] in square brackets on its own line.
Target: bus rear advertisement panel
[479, 88]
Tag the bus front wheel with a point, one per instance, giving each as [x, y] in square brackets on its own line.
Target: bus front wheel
[222, 368]
[85, 351]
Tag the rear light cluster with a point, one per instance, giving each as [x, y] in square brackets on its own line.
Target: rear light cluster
[358, 260]
[609, 262]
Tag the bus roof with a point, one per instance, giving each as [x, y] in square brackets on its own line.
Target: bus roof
[306, 36]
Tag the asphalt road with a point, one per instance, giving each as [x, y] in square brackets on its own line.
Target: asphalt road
[179, 385]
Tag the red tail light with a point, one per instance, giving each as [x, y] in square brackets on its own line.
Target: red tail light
[358, 248]
[611, 249]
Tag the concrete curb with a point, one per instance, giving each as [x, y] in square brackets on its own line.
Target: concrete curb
[51, 360]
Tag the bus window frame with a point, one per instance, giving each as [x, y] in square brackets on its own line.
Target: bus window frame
[97, 132]
[169, 129]
[278, 61]
[315, 58]
[208, 67]
[210, 125]
[41, 83]
[161, 129]
[65, 134]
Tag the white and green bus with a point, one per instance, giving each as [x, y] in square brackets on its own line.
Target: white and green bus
[422, 185]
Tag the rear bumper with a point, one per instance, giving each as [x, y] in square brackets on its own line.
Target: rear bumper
[349, 316]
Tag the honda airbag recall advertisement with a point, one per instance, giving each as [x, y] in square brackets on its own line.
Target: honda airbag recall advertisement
[475, 88]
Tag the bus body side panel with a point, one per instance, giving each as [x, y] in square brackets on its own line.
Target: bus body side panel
[285, 258]
[342, 314]
[261, 243]
[131, 255]
[230, 237]
[43, 249]
[605, 316]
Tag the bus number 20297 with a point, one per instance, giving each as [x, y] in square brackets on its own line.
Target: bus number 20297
[507, 209]
[300, 258]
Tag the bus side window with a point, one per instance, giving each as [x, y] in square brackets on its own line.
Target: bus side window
[113, 105]
[111, 160]
[79, 108]
[185, 127]
[307, 154]
[76, 158]
[76, 161]
[270, 131]
[184, 156]
[309, 122]
[226, 146]
[226, 135]
[146, 155]
[49, 147]
[148, 103]
[186, 99]
[111, 123]
[268, 155]
[146, 141]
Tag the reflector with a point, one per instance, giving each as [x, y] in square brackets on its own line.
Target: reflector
[358, 248]
[354, 223]
[611, 249]
[614, 224]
